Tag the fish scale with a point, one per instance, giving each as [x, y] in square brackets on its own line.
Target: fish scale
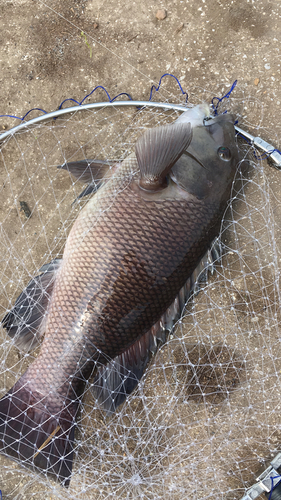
[161, 255]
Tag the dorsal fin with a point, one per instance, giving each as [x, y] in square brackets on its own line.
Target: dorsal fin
[158, 149]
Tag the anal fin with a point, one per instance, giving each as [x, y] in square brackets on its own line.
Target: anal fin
[116, 380]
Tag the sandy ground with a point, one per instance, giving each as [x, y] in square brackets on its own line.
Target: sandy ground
[54, 50]
[45, 59]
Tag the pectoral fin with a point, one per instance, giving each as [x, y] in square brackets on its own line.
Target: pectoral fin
[25, 321]
[91, 172]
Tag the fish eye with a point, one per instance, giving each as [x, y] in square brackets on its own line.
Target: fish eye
[224, 153]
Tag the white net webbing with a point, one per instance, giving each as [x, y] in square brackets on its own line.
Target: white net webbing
[204, 419]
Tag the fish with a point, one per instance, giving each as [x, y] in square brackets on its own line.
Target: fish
[128, 265]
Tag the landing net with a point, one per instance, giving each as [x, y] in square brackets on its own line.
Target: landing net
[204, 420]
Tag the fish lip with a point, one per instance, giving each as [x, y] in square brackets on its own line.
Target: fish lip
[195, 115]
[205, 108]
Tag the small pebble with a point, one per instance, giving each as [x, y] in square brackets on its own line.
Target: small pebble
[256, 81]
[96, 25]
[255, 319]
[161, 14]
[267, 66]
[179, 28]
[25, 211]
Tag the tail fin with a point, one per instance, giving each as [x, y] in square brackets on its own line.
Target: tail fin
[33, 431]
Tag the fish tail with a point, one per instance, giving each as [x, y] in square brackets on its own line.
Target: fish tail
[36, 433]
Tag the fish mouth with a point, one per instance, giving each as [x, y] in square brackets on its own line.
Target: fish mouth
[226, 117]
[196, 115]
[202, 111]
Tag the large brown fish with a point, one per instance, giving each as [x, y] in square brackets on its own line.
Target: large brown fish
[120, 283]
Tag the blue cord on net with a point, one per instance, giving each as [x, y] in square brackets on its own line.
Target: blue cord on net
[72, 100]
[153, 88]
[273, 486]
[267, 154]
[88, 95]
[220, 99]
[156, 88]
[18, 118]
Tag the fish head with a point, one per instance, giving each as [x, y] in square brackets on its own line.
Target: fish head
[207, 167]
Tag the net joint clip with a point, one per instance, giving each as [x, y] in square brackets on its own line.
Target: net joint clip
[266, 481]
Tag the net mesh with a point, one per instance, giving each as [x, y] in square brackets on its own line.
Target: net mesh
[203, 421]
